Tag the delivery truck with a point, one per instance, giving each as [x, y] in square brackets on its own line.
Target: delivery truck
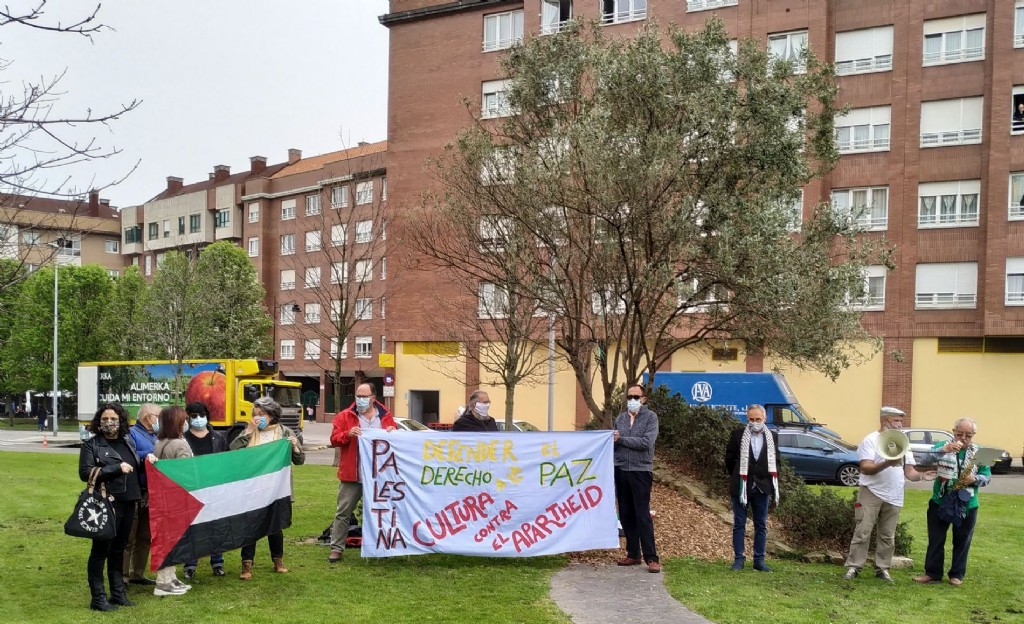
[735, 391]
[227, 388]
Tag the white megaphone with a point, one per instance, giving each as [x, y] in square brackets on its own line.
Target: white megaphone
[893, 444]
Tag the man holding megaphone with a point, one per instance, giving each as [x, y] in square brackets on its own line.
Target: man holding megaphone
[884, 464]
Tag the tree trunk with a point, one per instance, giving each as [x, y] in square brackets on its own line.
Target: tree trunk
[510, 400]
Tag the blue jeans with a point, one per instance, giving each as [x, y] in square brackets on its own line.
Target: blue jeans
[934, 558]
[215, 561]
[757, 502]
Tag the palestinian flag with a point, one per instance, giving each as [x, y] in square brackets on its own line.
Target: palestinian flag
[214, 503]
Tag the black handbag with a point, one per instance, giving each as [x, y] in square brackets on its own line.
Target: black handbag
[93, 517]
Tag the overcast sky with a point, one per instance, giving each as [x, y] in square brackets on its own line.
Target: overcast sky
[219, 80]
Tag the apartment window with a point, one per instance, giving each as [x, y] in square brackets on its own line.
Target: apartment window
[287, 350]
[160, 259]
[863, 130]
[864, 51]
[288, 314]
[1017, 112]
[287, 209]
[954, 39]
[287, 244]
[181, 225]
[1014, 281]
[132, 234]
[154, 231]
[498, 168]
[339, 273]
[336, 310]
[339, 196]
[364, 309]
[1016, 196]
[383, 343]
[339, 353]
[383, 229]
[313, 241]
[495, 232]
[618, 11]
[946, 285]
[364, 346]
[874, 289]
[704, 5]
[492, 301]
[384, 188]
[312, 277]
[364, 193]
[167, 228]
[789, 47]
[608, 302]
[502, 30]
[383, 307]
[364, 231]
[112, 246]
[554, 15]
[383, 268]
[312, 205]
[494, 99]
[339, 234]
[1018, 25]
[113, 273]
[287, 279]
[33, 238]
[312, 314]
[867, 207]
[254, 212]
[311, 350]
[70, 247]
[364, 270]
[148, 270]
[948, 204]
[194, 223]
[254, 246]
[223, 218]
[951, 122]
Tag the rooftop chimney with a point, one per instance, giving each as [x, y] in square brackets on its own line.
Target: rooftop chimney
[221, 172]
[94, 203]
[174, 184]
[363, 144]
[294, 155]
[257, 164]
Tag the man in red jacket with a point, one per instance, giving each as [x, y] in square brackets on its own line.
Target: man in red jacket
[365, 413]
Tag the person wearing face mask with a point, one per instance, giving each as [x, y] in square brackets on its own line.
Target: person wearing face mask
[136, 554]
[636, 430]
[111, 450]
[203, 440]
[880, 498]
[476, 416]
[171, 444]
[752, 461]
[365, 413]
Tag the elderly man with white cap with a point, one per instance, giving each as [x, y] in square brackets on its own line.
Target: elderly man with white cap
[880, 498]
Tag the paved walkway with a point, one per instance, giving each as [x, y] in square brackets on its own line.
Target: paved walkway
[608, 594]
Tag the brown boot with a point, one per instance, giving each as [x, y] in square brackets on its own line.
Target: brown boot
[246, 574]
[279, 565]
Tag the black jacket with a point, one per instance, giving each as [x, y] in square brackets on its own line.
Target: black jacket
[469, 422]
[757, 466]
[97, 452]
[218, 440]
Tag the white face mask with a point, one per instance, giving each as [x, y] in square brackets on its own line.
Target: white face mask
[362, 403]
[633, 405]
[481, 409]
[756, 427]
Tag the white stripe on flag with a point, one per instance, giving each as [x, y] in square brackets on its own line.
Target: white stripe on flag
[238, 497]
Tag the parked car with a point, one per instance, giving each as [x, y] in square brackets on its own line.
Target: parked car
[408, 424]
[818, 457]
[517, 425]
[923, 440]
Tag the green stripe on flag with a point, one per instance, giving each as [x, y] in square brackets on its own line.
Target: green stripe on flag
[205, 471]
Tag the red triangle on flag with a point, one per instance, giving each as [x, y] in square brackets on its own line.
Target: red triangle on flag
[171, 512]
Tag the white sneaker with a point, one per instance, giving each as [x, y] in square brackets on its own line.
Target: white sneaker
[168, 589]
[178, 583]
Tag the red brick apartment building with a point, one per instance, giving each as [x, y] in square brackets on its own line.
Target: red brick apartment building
[930, 145]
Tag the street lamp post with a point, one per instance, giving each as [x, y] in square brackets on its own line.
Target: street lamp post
[57, 245]
[295, 309]
[551, 371]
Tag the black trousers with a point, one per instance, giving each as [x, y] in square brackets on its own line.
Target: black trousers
[633, 494]
[110, 553]
[274, 540]
[934, 558]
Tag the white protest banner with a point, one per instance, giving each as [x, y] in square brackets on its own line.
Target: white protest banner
[486, 494]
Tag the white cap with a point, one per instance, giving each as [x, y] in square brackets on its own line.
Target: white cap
[891, 411]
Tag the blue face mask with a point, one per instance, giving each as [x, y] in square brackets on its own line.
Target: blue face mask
[199, 422]
[633, 405]
[261, 423]
[156, 426]
[362, 403]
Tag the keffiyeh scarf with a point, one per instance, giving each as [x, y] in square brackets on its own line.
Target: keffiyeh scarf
[769, 447]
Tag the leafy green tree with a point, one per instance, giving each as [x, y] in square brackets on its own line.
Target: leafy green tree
[232, 321]
[658, 177]
[125, 327]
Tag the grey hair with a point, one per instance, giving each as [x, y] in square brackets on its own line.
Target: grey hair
[152, 408]
[964, 419]
[473, 398]
[270, 406]
[757, 407]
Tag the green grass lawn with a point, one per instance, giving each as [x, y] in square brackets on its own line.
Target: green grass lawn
[799, 593]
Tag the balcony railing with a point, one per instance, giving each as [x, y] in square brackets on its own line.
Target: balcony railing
[947, 220]
[621, 16]
[552, 28]
[946, 300]
[863, 145]
[1016, 212]
[703, 5]
[954, 56]
[950, 137]
[864, 65]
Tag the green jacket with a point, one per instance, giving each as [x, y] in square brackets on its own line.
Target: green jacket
[939, 488]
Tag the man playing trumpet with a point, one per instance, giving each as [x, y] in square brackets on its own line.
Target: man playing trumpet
[960, 472]
[884, 464]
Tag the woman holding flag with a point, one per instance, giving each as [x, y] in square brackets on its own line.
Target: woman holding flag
[171, 444]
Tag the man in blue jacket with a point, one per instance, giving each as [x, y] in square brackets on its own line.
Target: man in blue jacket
[136, 553]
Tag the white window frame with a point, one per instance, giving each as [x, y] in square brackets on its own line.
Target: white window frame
[339, 196]
[312, 313]
[314, 240]
[1014, 291]
[384, 188]
[946, 285]
[339, 272]
[148, 270]
[956, 121]
[364, 231]
[312, 277]
[554, 16]
[254, 212]
[492, 301]
[955, 203]
[874, 275]
[383, 268]
[287, 350]
[612, 304]
[363, 270]
[951, 33]
[867, 215]
[494, 99]
[1018, 24]
[339, 234]
[364, 347]
[287, 279]
[502, 30]
[383, 308]
[287, 244]
[364, 309]
[287, 316]
[364, 193]
[1016, 198]
[311, 349]
[795, 210]
[706, 5]
[1016, 123]
[864, 51]
[494, 232]
[864, 130]
[287, 209]
[110, 245]
[254, 246]
[791, 52]
[335, 353]
[312, 205]
[622, 11]
[335, 311]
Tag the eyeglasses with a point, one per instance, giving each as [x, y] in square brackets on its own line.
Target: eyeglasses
[635, 396]
[366, 396]
[964, 434]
